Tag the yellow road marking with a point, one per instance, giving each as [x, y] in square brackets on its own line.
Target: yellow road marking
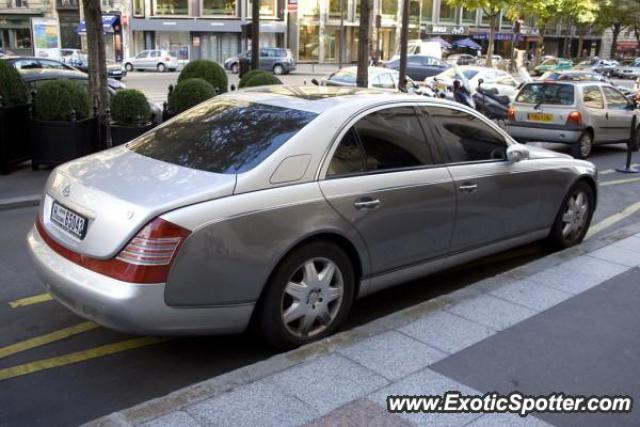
[619, 181]
[608, 222]
[30, 300]
[79, 356]
[47, 338]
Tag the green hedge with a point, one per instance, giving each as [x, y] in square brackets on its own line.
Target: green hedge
[262, 79]
[247, 76]
[207, 70]
[57, 99]
[12, 87]
[129, 107]
[188, 93]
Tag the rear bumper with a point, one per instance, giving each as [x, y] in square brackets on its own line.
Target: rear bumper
[524, 132]
[126, 307]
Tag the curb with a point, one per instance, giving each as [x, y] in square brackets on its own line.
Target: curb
[224, 383]
[20, 202]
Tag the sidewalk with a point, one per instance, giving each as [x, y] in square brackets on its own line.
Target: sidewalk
[564, 323]
[22, 187]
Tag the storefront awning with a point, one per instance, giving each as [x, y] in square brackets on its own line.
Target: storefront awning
[467, 43]
[107, 24]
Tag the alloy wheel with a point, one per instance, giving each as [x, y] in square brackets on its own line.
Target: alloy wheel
[575, 216]
[585, 145]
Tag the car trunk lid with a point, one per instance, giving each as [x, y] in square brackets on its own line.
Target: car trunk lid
[545, 103]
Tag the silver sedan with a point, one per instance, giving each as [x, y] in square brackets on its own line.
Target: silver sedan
[281, 205]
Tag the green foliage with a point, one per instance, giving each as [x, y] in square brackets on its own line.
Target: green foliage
[245, 78]
[261, 79]
[129, 107]
[188, 93]
[57, 99]
[12, 87]
[207, 70]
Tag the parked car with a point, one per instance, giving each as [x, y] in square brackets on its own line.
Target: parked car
[79, 60]
[419, 67]
[154, 59]
[379, 78]
[114, 70]
[492, 79]
[6, 52]
[286, 203]
[582, 114]
[553, 64]
[628, 71]
[603, 66]
[275, 59]
[461, 59]
[34, 77]
[573, 75]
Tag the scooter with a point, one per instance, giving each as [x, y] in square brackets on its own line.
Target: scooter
[489, 103]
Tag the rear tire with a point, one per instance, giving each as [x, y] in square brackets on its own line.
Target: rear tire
[308, 296]
[574, 217]
[583, 147]
[161, 68]
[128, 67]
[278, 69]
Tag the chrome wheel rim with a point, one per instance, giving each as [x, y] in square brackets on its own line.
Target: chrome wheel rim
[575, 216]
[312, 297]
[585, 145]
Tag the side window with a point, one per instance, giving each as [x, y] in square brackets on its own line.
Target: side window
[52, 65]
[466, 138]
[142, 54]
[615, 100]
[384, 81]
[155, 54]
[393, 139]
[25, 64]
[348, 158]
[593, 97]
[264, 53]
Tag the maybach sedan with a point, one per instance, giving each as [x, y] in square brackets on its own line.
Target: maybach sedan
[277, 206]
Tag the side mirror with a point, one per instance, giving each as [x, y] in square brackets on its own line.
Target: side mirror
[517, 152]
[480, 81]
[315, 82]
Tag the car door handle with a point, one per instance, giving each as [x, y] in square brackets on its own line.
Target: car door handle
[468, 187]
[606, 114]
[367, 203]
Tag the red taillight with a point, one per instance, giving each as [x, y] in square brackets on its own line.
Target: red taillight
[146, 259]
[574, 118]
[511, 113]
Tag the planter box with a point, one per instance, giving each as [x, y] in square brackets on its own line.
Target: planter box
[123, 134]
[14, 136]
[53, 143]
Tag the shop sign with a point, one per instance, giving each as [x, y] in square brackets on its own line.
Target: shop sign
[46, 37]
[442, 29]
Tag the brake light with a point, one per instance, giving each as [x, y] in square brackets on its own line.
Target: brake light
[511, 113]
[574, 118]
[146, 259]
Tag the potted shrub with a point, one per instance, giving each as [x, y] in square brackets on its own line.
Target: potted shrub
[14, 118]
[247, 76]
[130, 116]
[189, 93]
[260, 78]
[62, 129]
[207, 70]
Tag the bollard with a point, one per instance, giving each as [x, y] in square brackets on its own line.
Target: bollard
[632, 139]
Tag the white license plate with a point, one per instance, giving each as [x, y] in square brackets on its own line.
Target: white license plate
[70, 221]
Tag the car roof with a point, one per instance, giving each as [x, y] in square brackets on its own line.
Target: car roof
[33, 74]
[373, 71]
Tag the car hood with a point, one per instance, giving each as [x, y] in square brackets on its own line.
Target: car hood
[536, 152]
[119, 192]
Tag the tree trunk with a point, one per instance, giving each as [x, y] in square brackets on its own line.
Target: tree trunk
[492, 38]
[255, 35]
[98, 89]
[363, 44]
[615, 30]
[404, 35]
[580, 43]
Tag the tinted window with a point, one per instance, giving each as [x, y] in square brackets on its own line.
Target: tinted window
[466, 138]
[348, 158]
[25, 64]
[393, 139]
[551, 94]
[223, 136]
[593, 97]
[615, 100]
[155, 54]
[52, 65]
[343, 77]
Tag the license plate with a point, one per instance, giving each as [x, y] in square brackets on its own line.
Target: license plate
[540, 117]
[70, 221]
[441, 87]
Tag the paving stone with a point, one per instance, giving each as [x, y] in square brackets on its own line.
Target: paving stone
[173, 419]
[572, 280]
[328, 382]
[491, 311]
[507, 420]
[257, 404]
[392, 354]
[447, 331]
[598, 269]
[618, 255]
[421, 383]
[361, 412]
[630, 243]
[531, 294]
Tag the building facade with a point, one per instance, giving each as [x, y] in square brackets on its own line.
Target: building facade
[15, 23]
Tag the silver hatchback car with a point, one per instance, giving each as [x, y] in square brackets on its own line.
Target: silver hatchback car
[579, 113]
[280, 205]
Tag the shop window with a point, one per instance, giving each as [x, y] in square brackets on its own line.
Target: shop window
[310, 8]
[414, 12]
[23, 39]
[138, 7]
[219, 7]
[390, 8]
[331, 43]
[268, 7]
[334, 8]
[447, 13]
[468, 16]
[426, 10]
[308, 48]
[171, 7]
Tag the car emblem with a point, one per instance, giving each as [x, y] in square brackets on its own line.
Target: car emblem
[66, 191]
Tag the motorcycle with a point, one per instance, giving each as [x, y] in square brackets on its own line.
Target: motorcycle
[490, 103]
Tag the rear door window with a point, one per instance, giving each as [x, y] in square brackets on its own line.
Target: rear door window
[546, 93]
[592, 97]
[615, 100]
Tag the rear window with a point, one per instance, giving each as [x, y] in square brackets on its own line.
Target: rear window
[222, 136]
[550, 94]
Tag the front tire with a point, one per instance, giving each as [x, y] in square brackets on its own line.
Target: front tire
[278, 69]
[583, 147]
[161, 68]
[308, 296]
[573, 219]
[128, 67]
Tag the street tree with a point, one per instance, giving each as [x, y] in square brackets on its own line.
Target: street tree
[98, 89]
[617, 15]
[255, 35]
[362, 77]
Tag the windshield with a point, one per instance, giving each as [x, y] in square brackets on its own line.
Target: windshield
[222, 136]
[551, 94]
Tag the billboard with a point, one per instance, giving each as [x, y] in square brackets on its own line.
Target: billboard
[46, 37]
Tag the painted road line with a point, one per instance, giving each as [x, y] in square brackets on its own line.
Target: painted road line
[58, 335]
[606, 172]
[609, 221]
[36, 299]
[79, 356]
[619, 181]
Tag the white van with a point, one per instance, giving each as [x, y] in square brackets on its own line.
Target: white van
[421, 47]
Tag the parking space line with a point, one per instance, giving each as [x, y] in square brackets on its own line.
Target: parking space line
[79, 356]
[609, 221]
[58, 335]
[36, 299]
[619, 181]
[606, 172]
